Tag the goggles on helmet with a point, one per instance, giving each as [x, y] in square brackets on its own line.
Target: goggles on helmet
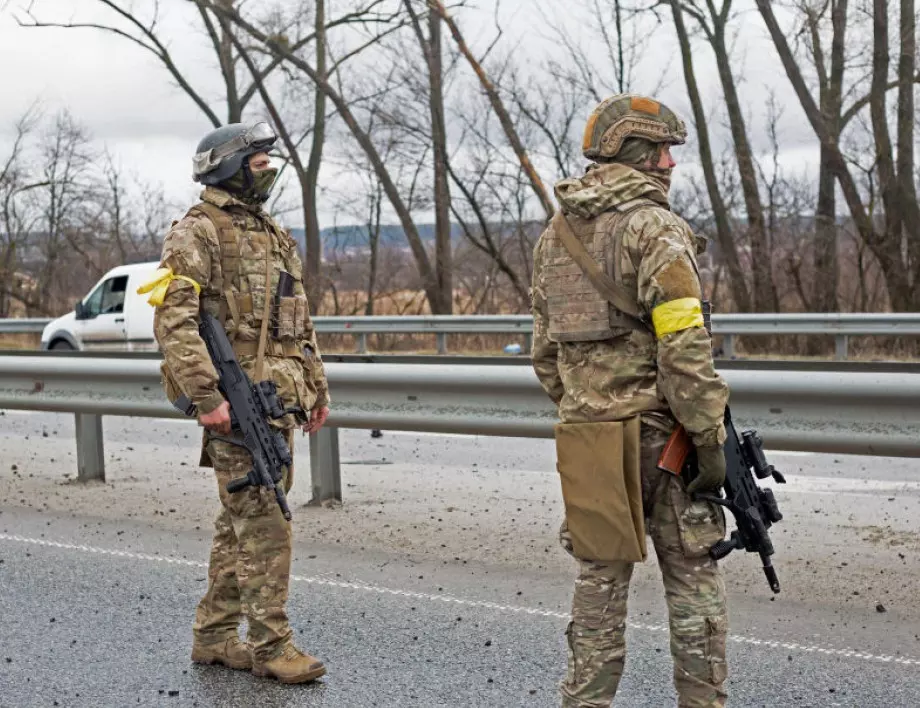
[259, 137]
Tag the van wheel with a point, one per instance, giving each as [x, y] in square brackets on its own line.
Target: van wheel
[62, 345]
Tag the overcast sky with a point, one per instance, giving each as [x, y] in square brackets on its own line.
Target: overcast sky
[130, 105]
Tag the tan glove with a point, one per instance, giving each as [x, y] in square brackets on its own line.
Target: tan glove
[711, 469]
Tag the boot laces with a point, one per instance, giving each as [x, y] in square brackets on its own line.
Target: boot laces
[291, 653]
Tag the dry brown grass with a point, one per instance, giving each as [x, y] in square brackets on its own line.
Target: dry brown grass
[20, 341]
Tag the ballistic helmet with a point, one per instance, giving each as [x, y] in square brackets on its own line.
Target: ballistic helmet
[221, 152]
[625, 116]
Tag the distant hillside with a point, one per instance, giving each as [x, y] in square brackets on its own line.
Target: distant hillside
[354, 236]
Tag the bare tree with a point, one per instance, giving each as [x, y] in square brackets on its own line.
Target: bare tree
[501, 112]
[241, 87]
[886, 245]
[281, 51]
[17, 221]
[431, 50]
[714, 22]
[723, 229]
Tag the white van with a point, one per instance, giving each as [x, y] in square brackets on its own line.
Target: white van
[113, 316]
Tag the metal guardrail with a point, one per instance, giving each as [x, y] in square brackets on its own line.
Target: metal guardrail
[841, 326]
[22, 325]
[835, 412]
[729, 326]
[878, 366]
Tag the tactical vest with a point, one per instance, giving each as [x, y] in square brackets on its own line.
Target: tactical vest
[578, 312]
[253, 250]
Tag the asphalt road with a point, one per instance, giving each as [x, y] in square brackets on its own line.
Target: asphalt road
[405, 591]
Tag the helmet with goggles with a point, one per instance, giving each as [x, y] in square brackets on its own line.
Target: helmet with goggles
[221, 152]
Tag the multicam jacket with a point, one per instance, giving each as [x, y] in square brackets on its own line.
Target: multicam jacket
[597, 365]
[220, 254]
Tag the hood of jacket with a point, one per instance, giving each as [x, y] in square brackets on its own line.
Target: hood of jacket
[606, 186]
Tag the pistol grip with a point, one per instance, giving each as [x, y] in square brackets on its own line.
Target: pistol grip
[724, 547]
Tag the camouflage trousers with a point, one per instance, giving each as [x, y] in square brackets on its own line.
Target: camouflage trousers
[682, 532]
[250, 563]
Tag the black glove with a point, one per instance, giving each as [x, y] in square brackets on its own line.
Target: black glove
[711, 469]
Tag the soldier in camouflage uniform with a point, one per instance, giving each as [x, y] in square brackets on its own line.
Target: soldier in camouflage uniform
[597, 364]
[225, 257]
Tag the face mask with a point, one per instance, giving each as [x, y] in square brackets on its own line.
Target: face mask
[661, 177]
[263, 182]
[255, 190]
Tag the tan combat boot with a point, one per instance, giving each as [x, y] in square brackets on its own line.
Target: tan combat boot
[290, 666]
[230, 652]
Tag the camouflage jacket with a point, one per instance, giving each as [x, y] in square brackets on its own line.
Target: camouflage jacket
[630, 371]
[196, 248]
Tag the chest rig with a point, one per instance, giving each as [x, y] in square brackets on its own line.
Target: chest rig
[585, 296]
[254, 254]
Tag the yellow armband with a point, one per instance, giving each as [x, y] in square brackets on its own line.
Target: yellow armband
[161, 280]
[677, 315]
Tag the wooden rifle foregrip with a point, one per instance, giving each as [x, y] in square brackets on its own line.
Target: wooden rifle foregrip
[675, 452]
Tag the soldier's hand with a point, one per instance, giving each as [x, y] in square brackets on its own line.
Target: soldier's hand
[711, 463]
[317, 418]
[218, 420]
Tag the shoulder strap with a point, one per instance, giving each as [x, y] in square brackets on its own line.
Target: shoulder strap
[229, 254]
[226, 233]
[615, 294]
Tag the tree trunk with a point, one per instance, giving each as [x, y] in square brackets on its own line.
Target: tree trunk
[443, 254]
[736, 277]
[826, 265]
[228, 69]
[314, 246]
[906, 115]
[764, 289]
[824, 289]
[373, 237]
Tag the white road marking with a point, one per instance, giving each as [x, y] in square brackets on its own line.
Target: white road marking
[421, 434]
[454, 600]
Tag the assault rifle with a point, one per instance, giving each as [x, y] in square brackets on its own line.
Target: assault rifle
[251, 405]
[754, 509]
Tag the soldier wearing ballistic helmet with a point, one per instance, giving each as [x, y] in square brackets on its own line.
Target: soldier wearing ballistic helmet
[633, 350]
[224, 257]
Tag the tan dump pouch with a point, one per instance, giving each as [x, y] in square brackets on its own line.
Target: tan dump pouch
[599, 468]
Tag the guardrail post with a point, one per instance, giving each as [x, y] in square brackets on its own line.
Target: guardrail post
[90, 453]
[361, 343]
[841, 346]
[325, 470]
[728, 346]
[442, 342]
[528, 343]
